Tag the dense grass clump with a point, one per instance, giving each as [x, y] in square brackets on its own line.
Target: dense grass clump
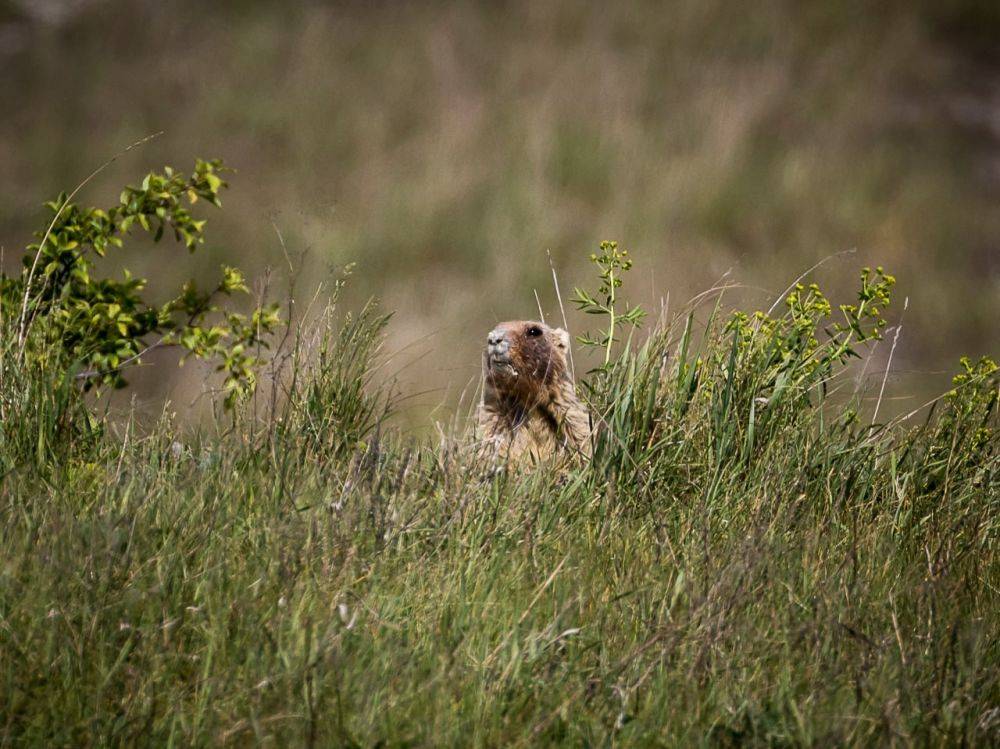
[746, 560]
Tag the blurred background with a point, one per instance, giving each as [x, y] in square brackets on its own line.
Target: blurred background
[448, 149]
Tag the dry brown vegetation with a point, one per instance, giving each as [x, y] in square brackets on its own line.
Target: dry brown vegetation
[446, 147]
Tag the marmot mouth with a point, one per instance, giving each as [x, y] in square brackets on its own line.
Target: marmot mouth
[500, 364]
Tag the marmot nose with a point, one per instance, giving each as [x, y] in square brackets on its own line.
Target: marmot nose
[494, 338]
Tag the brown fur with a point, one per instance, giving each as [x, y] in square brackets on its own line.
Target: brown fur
[530, 410]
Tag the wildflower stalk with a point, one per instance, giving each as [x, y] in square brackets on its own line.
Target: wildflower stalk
[611, 264]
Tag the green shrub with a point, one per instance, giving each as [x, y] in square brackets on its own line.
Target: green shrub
[101, 326]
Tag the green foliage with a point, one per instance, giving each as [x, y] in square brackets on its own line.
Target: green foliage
[611, 264]
[335, 407]
[43, 419]
[751, 378]
[743, 562]
[975, 387]
[793, 353]
[102, 325]
[966, 430]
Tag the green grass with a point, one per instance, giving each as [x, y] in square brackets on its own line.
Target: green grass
[746, 561]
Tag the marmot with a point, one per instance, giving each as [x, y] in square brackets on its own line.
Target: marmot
[530, 410]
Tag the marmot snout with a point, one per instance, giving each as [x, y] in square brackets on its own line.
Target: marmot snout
[530, 409]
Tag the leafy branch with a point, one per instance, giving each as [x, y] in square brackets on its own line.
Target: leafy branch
[105, 325]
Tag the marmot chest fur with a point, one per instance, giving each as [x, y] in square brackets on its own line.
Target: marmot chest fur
[530, 409]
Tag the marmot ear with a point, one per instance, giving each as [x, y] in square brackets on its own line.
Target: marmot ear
[562, 338]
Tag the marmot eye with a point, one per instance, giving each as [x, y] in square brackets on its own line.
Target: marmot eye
[534, 331]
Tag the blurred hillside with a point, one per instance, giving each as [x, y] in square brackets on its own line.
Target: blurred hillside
[446, 147]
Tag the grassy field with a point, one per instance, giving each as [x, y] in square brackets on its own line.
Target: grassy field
[746, 561]
[779, 541]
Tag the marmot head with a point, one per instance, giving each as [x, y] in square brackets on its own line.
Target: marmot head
[524, 360]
